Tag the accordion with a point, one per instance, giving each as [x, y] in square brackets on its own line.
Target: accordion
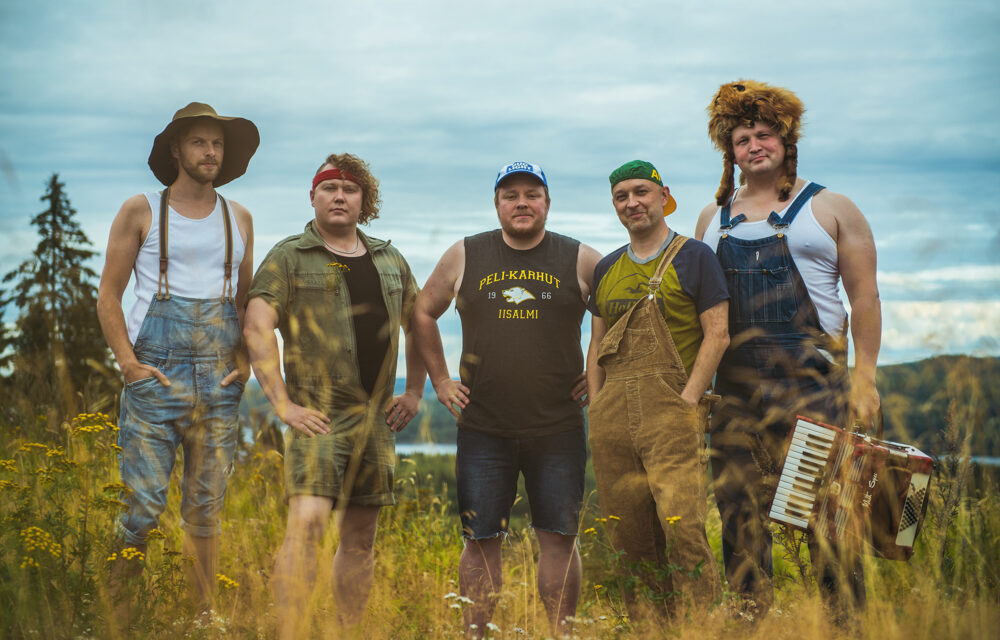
[849, 487]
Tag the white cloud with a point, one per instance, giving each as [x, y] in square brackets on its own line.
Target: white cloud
[911, 330]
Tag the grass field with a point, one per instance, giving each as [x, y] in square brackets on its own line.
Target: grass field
[59, 500]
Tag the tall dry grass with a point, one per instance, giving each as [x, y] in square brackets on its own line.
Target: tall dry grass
[59, 501]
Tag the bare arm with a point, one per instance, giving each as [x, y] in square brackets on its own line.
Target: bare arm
[857, 260]
[595, 373]
[434, 299]
[704, 219]
[245, 274]
[258, 334]
[586, 260]
[715, 327]
[128, 231]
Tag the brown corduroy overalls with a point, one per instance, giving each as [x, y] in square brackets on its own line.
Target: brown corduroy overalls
[649, 453]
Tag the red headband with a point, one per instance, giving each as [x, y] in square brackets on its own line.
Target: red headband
[333, 174]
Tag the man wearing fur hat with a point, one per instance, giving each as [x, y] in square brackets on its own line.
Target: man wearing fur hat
[784, 243]
[179, 348]
[658, 330]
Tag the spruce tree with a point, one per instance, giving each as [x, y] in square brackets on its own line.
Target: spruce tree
[56, 351]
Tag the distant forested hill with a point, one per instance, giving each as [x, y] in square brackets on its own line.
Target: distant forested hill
[920, 399]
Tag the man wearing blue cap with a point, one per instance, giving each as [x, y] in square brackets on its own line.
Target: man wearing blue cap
[659, 329]
[521, 292]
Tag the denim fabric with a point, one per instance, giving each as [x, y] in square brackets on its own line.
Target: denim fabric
[650, 461]
[194, 343]
[487, 467]
[780, 364]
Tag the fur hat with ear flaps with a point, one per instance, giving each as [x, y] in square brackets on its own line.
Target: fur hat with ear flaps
[744, 103]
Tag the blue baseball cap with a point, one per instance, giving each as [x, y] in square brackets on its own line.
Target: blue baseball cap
[520, 167]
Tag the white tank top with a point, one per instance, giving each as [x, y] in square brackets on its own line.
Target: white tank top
[814, 253]
[197, 253]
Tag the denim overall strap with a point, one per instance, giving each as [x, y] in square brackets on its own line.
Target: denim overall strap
[163, 284]
[780, 222]
[725, 222]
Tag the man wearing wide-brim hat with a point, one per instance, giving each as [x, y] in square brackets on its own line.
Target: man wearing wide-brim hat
[179, 348]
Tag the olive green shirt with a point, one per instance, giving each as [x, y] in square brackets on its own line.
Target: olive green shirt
[302, 281]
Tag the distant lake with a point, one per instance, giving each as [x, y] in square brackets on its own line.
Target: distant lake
[427, 448]
[449, 448]
[986, 460]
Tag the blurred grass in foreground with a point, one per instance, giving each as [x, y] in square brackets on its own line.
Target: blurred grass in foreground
[59, 501]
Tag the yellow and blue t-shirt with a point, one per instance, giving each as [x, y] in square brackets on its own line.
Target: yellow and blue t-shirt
[692, 284]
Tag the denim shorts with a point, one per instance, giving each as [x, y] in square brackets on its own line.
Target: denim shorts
[487, 468]
[194, 413]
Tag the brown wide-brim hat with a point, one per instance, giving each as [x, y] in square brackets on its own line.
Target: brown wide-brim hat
[242, 140]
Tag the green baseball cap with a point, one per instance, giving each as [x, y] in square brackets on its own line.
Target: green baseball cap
[644, 171]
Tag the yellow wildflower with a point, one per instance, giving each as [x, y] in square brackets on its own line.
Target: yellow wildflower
[591, 530]
[673, 519]
[38, 539]
[614, 518]
[131, 553]
[226, 582]
[8, 465]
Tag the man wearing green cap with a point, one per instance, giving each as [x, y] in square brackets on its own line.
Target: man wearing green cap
[659, 328]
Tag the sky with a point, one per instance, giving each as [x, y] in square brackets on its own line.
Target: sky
[436, 96]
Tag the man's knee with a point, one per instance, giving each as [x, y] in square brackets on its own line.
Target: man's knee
[551, 543]
[308, 517]
[357, 528]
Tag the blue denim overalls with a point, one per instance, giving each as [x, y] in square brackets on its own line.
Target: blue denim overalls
[780, 363]
[194, 342]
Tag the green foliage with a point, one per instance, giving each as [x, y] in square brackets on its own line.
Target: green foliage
[920, 398]
[59, 501]
[57, 343]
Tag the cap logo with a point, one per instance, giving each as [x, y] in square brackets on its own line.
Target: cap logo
[656, 176]
[521, 167]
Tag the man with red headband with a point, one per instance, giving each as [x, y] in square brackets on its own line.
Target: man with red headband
[339, 298]
[784, 243]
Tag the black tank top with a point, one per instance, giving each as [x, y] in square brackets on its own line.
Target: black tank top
[371, 319]
[521, 314]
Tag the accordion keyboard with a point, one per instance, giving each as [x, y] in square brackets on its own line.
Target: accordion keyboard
[802, 474]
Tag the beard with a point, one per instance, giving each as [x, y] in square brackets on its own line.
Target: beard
[200, 175]
[523, 233]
